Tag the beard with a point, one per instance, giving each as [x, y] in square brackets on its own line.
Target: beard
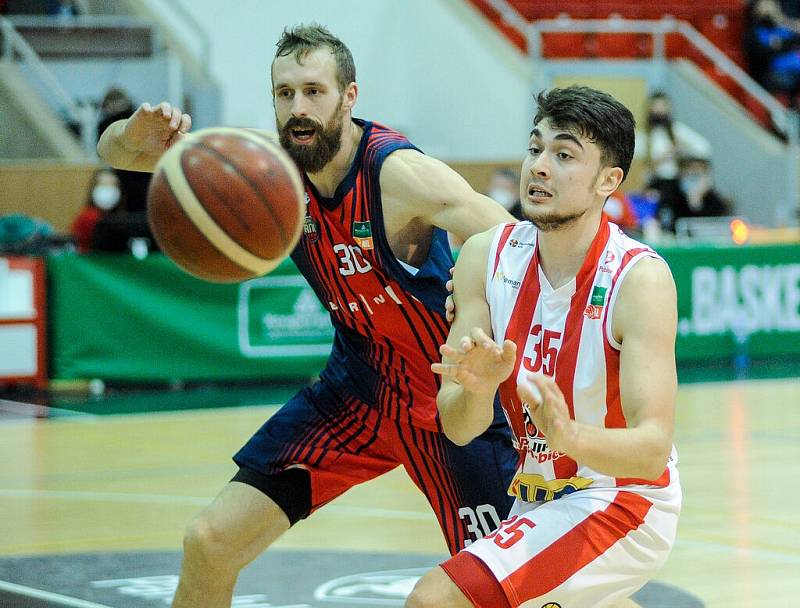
[551, 221]
[312, 158]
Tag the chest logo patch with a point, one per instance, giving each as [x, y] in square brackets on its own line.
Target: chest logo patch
[362, 234]
[597, 301]
[310, 229]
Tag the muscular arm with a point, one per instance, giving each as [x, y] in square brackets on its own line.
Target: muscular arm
[415, 186]
[138, 142]
[645, 320]
[473, 365]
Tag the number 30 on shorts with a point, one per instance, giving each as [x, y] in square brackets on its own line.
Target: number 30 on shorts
[480, 521]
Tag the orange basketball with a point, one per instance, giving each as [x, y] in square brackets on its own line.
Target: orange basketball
[226, 204]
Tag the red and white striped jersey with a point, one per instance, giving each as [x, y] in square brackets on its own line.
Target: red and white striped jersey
[564, 333]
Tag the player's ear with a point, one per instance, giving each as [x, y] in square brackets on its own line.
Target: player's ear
[349, 96]
[609, 180]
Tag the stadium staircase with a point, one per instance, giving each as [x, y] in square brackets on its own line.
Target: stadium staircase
[709, 34]
[55, 71]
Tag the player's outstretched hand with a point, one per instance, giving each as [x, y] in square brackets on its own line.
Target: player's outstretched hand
[479, 364]
[549, 410]
[153, 129]
[449, 303]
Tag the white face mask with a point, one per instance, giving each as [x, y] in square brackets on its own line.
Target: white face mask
[504, 197]
[105, 197]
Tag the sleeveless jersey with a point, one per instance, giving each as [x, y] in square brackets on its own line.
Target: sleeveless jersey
[388, 320]
[564, 333]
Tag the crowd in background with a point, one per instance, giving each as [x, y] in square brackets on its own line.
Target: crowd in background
[677, 161]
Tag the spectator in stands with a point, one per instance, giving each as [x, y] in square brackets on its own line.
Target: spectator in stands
[664, 140]
[504, 188]
[105, 196]
[66, 9]
[117, 105]
[772, 48]
[693, 195]
[619, 209]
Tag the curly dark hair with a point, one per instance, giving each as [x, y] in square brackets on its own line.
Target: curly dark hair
[592, 114]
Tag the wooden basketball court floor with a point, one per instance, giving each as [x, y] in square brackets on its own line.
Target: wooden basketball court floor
[85, 483]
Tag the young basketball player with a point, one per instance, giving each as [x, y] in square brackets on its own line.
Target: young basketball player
[375, 250]
[575, 323]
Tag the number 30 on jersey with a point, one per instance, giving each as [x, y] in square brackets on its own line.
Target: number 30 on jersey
[351, 260]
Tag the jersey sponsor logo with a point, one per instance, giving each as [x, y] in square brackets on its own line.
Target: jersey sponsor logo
[597, 301]
[532, 445]
[362, 234]
[519, 244]
[513, 283]
[534, 442]
[543, 457]
[366, 303]
[532, 487]
[310, 232]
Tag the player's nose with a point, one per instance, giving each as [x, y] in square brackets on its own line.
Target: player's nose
[299, 106]
[540, 166]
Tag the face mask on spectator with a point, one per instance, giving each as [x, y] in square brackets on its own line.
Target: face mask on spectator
[656, 119]
[105, 197]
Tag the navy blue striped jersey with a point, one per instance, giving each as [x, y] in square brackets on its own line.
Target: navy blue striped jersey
[389, 321]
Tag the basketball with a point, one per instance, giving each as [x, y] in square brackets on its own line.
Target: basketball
[226, 205]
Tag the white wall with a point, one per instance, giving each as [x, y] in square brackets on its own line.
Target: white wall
[433, 69]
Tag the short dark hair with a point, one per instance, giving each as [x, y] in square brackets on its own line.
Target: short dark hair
[595, 115]
[301, 40]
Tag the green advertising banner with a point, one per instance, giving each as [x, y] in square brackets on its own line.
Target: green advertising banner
[749, 294]
[116, 317]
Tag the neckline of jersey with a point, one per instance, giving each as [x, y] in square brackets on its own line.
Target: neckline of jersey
[346, 185]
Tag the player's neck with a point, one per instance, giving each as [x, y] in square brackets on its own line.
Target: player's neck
[562, 252]
[332, 174]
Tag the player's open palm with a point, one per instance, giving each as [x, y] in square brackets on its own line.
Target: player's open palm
[153, 129]
[479, 363]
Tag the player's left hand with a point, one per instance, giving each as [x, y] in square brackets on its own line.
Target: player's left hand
[549, 410]
[478, 364]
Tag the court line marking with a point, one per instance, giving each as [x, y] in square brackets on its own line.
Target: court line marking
[197, 501]
[61, 600]
[33, 411]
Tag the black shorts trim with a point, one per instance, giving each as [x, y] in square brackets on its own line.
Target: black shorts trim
[290, 489]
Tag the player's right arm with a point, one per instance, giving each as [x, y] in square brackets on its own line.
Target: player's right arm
[138, 142]
[473, 364]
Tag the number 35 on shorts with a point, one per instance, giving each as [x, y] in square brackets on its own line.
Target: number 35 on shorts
[510, 531]
[480, 521]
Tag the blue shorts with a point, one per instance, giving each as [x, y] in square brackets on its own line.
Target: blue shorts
[342, 441]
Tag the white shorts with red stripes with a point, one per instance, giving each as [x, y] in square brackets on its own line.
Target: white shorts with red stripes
[586, 549]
